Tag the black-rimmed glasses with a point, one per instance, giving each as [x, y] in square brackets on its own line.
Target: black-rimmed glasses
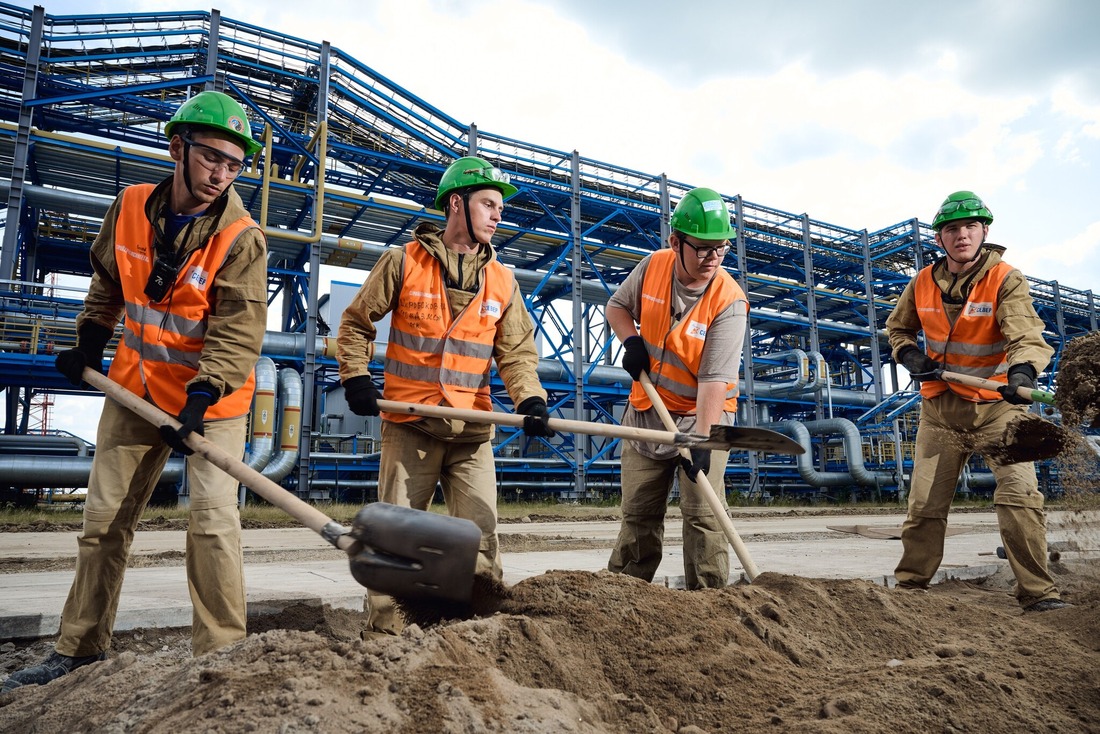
[705, 252]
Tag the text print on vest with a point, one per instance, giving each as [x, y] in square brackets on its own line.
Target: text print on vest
[697, 330]
[979, 309]
[136, 254]
[491, 309]
[197, 277]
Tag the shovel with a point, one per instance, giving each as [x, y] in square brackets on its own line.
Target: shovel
[704, 484]
[1036, 396]
[1027, 438]
[407, 553]
[721, 438]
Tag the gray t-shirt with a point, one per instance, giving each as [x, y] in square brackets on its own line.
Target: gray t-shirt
[721, 359]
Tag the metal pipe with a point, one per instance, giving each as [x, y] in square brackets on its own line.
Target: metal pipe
[857, 474]
[36, 444]
[262, 446]
[64, 471]
[290, 422]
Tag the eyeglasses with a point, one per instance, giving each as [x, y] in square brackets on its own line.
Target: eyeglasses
[705, 252]
[212, 159]
[967, 205]
[493, 174]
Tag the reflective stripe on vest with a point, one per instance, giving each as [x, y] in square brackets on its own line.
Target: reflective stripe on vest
[162, 342]
[676, 353]
[975, 345]
[433, 356]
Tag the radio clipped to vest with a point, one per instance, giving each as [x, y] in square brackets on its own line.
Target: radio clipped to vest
[161, 278]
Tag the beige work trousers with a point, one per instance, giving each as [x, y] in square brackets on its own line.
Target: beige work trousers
[949, 429]
[646, 486]
[412, 464]
[129, 458]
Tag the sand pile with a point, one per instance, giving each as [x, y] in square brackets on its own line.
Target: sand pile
[584, 652]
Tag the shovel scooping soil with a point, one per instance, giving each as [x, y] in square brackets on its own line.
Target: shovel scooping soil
[1030, 438]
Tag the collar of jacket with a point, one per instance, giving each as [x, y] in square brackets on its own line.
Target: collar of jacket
[956, 286]
[225, 210]
[428, 235]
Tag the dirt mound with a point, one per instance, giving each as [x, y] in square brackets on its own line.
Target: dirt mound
[1078, 393]
[584, 652]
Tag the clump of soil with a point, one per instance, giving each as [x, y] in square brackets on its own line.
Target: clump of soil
[1078, 393]
[574, 651]
[1030, 438]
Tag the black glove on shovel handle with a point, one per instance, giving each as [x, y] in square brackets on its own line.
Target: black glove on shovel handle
[699, 462]
[200, 397]
[362, 395]
[91, 340]
[535, 418]
[1019, 375]
[919, 365]
[635, 357]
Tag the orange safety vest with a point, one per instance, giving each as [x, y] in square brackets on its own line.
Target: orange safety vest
[433, 355]
[676, 352]
[975, 344]
[161, 343]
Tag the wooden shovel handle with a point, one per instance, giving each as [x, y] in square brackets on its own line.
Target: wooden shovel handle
[305, 513]
[704, 484]
[1039, 396]
[562, 425]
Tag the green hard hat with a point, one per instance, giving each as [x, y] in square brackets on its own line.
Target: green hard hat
[472, 171]
[703, 214]
[962, 205]
[219, 111]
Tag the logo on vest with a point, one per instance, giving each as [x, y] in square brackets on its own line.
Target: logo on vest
[142, 255]
[979, 309]
[197, 278]
[696, 330]
[491, 308]
[655, 299]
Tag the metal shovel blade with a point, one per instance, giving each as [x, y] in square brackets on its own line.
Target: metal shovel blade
[753, 439]
[415, 554]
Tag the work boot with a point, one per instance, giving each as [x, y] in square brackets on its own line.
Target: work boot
[1047, 605]
[53, 667]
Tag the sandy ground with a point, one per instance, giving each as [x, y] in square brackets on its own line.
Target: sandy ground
[596, 652]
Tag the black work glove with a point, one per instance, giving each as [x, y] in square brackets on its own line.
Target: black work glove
[919, 364]
[700, 462]
[635, 357]
[1019, 375]
[535, 425]
[90, 342]
[200, 396]
[362, 395]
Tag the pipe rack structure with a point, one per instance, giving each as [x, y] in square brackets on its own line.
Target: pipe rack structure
[350, 167]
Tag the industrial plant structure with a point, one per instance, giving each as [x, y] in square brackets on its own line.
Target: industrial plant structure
[349, 167]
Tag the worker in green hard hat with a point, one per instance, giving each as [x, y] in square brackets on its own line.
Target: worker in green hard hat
[455, 309]
[183, 265]
[978, 319]
[681, 318]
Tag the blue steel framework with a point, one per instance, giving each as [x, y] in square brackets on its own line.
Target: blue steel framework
[350, 167]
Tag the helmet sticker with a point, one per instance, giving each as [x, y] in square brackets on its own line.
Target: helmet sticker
[236, 123]
[712, 206]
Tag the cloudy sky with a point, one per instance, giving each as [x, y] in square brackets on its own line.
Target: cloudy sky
[861, 113]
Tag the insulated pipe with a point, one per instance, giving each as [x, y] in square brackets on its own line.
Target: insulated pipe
[262, 445]
[290, 422]
[802, 369]
[64, 471]
[38, 445]
[857, 474]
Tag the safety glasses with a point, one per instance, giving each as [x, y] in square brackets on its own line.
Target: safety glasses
[492, 174]
[212, 159]
[966, 205]
[704, 252]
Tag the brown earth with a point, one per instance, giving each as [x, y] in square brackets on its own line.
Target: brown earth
[1078, 391]
[595, 652]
